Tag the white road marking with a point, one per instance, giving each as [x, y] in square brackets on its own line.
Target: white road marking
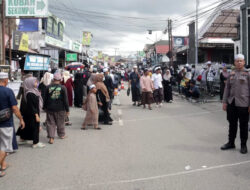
[171, 175]
[120, 121]
[172, 116]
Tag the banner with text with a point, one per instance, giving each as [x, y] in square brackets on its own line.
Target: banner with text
[26, 8]
[71, 57]
[87, 38]
[36, 63]
[20, 41]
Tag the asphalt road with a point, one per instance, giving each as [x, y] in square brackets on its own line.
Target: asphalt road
[176, 147]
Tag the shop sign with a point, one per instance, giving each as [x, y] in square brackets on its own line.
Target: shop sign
[54, 42]
[71, 57]
[20, 41]
[76, 46]
[180, 41]
[27, 8]
[36, 63]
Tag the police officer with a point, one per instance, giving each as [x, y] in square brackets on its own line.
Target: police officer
[236, 102]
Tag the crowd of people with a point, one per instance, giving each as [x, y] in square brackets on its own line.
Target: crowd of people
[191, 81]
[93, 91]
[148, 87]
[54, 94]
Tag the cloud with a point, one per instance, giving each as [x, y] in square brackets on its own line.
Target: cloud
[123, 23]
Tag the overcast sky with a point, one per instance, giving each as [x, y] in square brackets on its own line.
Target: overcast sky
[121, 24]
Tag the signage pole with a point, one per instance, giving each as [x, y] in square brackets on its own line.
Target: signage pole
[3, 32]
[82, 54]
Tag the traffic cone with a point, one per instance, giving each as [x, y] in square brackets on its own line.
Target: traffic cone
[122, 85]
[116, 100]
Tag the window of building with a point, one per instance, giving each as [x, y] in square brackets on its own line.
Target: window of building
[50, 25]
[60, 30]
[55, 27]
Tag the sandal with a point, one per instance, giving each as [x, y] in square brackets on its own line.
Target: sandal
[63, 137]
[97, 128]
[7, 166]
[68, 124]
[2, 173]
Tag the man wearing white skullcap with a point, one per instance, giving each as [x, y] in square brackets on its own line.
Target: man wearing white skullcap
[210, 75]
[158, 87]
[8, 105]
[236, 101]
[239, 57]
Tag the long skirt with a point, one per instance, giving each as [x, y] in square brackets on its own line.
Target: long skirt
[135, 94]
[147, 98]
[168, 95]
[31, 130]
[104, 115]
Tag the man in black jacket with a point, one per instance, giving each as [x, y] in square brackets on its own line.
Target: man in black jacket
[56, 106]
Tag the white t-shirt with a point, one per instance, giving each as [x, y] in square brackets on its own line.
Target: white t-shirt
[157, 80]
[210, 75]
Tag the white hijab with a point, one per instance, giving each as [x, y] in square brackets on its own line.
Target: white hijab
[46, 80]
[167, 76]
[66, 76]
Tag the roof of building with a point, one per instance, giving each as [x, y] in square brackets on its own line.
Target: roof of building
[223, 24]
[161, 46]
[162, 49]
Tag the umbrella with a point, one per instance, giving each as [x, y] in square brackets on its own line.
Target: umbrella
[74, 66]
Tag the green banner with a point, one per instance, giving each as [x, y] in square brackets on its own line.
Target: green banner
[26, 8]
[71, 57]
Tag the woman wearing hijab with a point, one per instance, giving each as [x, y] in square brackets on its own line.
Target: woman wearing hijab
[46, 80]
[223, 79]
[103, 99]
[68, 83]
[31, 114]
[91, 108]
[167, 85]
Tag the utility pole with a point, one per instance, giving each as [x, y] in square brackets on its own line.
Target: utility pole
[10, 53]
[170, 37]
[3, 32]
[197, 34]
[116, 51]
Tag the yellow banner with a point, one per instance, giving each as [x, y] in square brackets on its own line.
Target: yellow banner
[24, 43]
[87, 38]
[106, 58]
[100, 56]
